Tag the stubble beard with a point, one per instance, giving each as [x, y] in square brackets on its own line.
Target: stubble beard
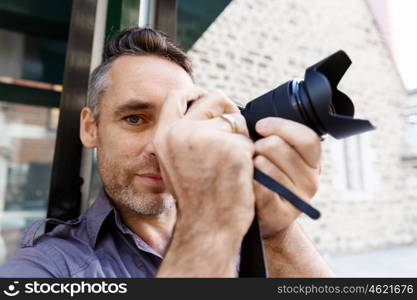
[118, 183]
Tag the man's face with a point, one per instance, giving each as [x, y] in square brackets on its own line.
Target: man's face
[128, 118]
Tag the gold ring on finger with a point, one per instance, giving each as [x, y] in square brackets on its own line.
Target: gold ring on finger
[231, 120]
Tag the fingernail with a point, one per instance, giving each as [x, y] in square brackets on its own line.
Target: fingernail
[262, 125]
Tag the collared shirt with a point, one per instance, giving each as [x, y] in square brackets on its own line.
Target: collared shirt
[96, 244]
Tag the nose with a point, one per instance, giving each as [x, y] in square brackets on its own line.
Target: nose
[150, 148]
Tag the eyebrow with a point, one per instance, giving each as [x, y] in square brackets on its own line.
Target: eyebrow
[132, 105]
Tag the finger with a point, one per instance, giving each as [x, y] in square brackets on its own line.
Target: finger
[263, 164]
[175, 105]
[305, 141]
[211, 105]
[286, 158]
[239, 125]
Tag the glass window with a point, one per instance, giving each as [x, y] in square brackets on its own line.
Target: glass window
[353, 163]
[26, 154]
[411, 132]
[194, 17]
[33, 38]
[30, 57]
[33, 41]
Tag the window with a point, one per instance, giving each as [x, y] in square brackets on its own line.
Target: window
[352, 151]
[353, 167]
[26, 154]
[194, 17]
[411, 131]
[33, 41]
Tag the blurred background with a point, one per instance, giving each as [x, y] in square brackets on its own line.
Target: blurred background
[368, 191]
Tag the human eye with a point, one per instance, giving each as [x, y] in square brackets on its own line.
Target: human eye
[133, 119]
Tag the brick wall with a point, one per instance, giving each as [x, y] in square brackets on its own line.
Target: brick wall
[253, 46]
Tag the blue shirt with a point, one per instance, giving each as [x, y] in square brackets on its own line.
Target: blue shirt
[96, 244]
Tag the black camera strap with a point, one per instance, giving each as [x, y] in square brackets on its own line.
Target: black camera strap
[278, 188]
[252, 261]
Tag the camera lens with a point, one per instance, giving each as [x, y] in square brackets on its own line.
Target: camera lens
[315, 101]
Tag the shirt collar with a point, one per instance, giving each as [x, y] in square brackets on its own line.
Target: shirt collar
[99, 211]
[96, 214]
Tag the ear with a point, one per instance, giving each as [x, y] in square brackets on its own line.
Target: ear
[88, 128]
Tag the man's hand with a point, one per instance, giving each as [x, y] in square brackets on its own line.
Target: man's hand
[290, 154]
[209, 171]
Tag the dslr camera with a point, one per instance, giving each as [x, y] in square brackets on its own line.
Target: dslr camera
[315, 101]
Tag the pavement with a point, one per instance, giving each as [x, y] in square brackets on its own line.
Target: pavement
[392, 262]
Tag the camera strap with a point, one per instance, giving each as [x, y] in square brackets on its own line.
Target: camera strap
[284, 192]
[252, 260]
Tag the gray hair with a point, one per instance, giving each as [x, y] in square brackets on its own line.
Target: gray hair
[98, 83]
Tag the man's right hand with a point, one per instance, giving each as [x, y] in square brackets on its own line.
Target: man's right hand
[209, 171]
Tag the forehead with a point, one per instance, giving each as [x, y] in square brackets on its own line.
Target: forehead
[149, 78]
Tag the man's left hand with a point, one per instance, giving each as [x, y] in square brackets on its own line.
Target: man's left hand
[289, 152]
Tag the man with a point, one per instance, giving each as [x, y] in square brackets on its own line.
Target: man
[178, 192]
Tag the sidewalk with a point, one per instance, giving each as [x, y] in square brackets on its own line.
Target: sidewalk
[393, 262]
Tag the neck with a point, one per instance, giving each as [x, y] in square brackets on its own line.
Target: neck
[156, 231]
